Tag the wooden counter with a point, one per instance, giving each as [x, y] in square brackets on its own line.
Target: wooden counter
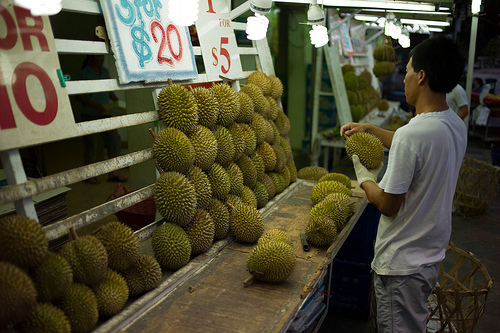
[208, 294]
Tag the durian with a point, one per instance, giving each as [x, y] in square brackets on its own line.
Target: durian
[228, 103]
[322, 189]
[22, 241]
[52, 277]
[276, 86]
[111, 293]
[201, 183]
[144, 275]
[175, 197]
[246, 223]
[271, 261]
[220, 215]
[313, 173]
[173, 150]
[275, 234]
[177, 108]
[368, 147]
[87, 257]
[205, 147]
[208, 107]
[17, 294]
[201, 231]
[45, 318]
[321, 231]
[261, 80]
[171, 246]
[79, 304]
[219, 181]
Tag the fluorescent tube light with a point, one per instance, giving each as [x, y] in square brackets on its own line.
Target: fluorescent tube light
[434, 23]
[436, 29]
[370, 18]
[389, 5]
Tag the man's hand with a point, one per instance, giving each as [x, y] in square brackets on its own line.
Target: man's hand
[362, 173]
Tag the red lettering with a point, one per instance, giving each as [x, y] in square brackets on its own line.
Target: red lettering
[10, 40]
[26, 31]
[169, 29]
[6, 115]
[210, 7]
[21, 73]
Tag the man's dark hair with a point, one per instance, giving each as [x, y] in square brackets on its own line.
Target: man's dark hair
[441, 60]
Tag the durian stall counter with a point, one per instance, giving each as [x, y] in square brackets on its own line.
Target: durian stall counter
[377, 117]
[209, 294]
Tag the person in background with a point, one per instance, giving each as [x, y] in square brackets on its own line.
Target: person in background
[93, 109]
[457, 101]
[416, 192]
[477, 85]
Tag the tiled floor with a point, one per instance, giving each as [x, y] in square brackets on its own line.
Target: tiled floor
[477, 234]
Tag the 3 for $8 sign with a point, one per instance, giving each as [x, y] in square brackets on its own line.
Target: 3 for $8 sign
[217, 40]
[34, 107]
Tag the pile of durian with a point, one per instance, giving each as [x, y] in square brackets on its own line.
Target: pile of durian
[91, 277]
[332, 204]
[385, 56]
[222, 156]
[360, 93]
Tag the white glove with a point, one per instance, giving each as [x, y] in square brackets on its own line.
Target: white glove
[362, 173]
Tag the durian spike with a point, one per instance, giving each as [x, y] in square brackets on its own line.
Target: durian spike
[190, 88]
[72, 233]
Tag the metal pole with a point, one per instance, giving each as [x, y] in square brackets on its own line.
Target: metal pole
[470, 65]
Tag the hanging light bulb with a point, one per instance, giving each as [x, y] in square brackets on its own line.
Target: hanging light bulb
[257, 25]
[183, 12]
[316, 18]
[319, 35]
[40, 7]
[404, 39]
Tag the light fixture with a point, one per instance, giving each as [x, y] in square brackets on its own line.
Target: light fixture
[183, 12]
[257, 25]
[316, 18]
[475, 6]
[421, 22]
[369, 18]
[435, 29]
[388, 5]
[40, 7]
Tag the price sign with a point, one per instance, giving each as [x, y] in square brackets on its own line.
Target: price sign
[34, 107]
[146, 45]
[217, 40]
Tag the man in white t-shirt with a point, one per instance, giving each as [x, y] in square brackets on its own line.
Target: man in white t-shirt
[457, 101]
[416, 193]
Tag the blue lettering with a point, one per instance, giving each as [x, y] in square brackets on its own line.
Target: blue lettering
[130, 19]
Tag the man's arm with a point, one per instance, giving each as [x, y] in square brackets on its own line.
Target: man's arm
[388, 204]
[464, 111]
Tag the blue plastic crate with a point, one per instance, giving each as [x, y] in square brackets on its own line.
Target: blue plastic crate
[350, 289]
[358, 246]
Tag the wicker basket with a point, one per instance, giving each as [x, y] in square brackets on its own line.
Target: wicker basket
[477, 186]
[462, 291]
[460, 295]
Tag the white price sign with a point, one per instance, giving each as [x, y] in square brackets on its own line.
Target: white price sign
[217, 40]
[34, 106]
[146, 45]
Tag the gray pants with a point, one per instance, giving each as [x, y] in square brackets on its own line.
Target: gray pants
[402, 300]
